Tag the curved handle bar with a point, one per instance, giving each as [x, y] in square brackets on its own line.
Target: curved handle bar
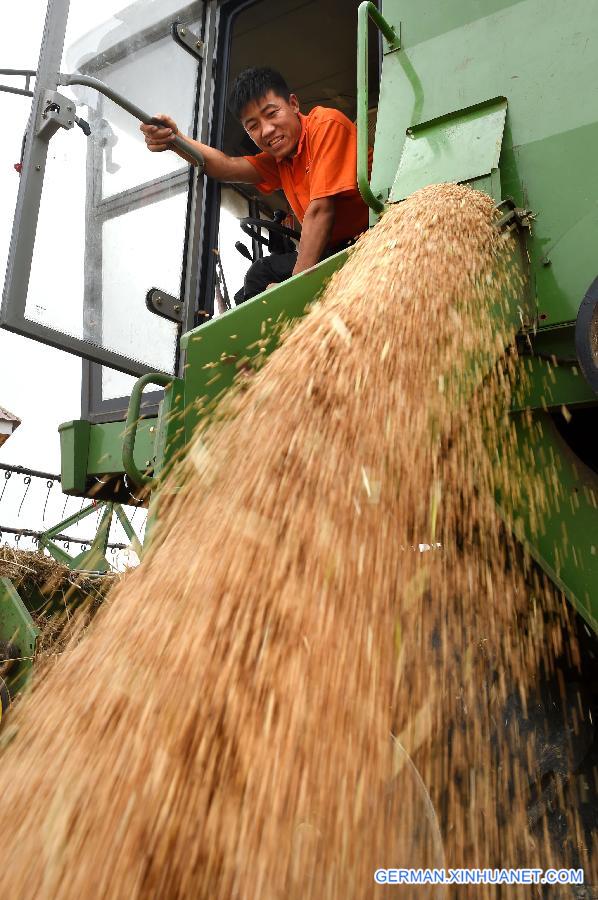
[129, 465]
[101, 88]
[365, 10]
[248, 223]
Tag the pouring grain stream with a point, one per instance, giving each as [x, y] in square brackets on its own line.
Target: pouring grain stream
[224, 730]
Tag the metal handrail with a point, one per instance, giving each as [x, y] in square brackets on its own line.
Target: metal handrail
[129, 465]
[27, 74]
[99, 86]
[368, 10]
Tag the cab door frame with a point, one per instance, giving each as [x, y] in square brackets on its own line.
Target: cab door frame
[94, 407]
[13, 309]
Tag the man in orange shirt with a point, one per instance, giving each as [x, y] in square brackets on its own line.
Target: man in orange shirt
[312, 158]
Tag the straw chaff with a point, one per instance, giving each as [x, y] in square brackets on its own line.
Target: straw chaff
[61, 601]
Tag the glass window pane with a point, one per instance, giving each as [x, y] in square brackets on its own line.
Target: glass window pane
[56, 281]
[116, 384]
[112, 215]
[140, 250]
[233, 206]
[140, 77]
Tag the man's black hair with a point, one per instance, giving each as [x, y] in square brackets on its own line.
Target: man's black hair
[253, 84]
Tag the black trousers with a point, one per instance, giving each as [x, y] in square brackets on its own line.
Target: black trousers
[277, 267]
[263, 272]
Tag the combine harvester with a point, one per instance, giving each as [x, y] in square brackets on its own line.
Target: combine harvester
[118, 256]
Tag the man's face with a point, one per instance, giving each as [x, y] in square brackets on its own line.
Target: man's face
[273, 124]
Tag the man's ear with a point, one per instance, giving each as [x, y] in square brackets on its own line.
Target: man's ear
[294, 103]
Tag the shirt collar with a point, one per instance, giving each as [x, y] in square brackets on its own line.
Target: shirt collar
[303, 120]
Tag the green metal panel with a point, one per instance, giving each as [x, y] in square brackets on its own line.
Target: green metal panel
[551, 385]
[540, 55]
[457, 147]
[170, 428]
[74, 450]
[369, 11]
[87, 450]
[561, 181]
[17, 627]
[106, 446]
[434, 18]
[551, 376]
[566, 544]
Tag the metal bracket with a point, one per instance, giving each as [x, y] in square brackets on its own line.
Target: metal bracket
[165, 305]
[187, 40]
[58, 111]
[392, 48]
[514, 217]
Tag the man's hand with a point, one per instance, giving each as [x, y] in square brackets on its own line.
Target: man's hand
[217, 164]
[159, 138]
[315, 233]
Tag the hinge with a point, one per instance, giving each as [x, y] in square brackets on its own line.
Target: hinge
[185, 38]
[165, 305]
[58, 111]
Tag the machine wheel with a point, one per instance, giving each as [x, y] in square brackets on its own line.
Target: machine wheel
[558, 726]
[4, 698]
[586, 335]
[9, 654]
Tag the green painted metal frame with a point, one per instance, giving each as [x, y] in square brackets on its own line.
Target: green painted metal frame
[94, 558]
[552, 376]
[539, 56]
[97, 450]
[565, 543]
[17, 626]
[365, 12]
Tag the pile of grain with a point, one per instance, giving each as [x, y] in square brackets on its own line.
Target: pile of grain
[225, 728]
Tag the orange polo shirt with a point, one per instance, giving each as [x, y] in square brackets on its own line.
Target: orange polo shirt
[324, 165]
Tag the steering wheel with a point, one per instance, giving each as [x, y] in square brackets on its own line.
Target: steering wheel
[252, 228]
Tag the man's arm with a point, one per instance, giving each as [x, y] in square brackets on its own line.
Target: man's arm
[217, 164]
[315, 233]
